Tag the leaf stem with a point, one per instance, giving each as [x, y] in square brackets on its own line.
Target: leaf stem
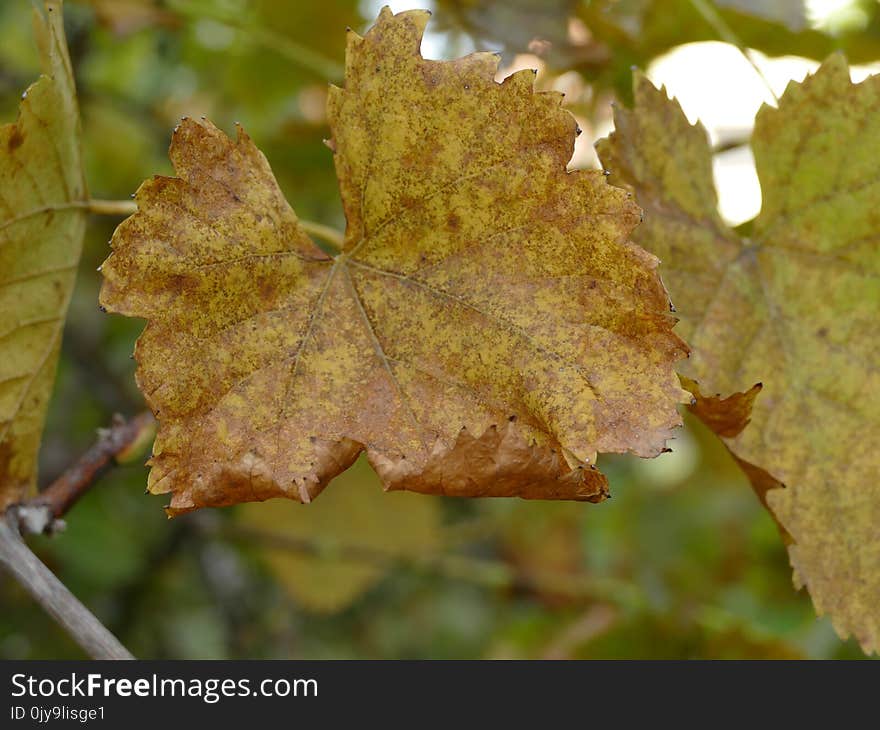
[325, 233]
[111, 207]
[128, 207]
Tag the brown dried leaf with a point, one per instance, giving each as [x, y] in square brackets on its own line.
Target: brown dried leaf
[486, 330]
[725, 416]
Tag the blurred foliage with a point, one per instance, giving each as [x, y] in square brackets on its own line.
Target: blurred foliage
[375, 528]
[604, 39]
[682, 562]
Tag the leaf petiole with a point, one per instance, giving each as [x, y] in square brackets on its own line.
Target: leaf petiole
[325, 233]
[129, 207]
[111, 207]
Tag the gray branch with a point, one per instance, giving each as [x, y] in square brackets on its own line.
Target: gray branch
[53, 595]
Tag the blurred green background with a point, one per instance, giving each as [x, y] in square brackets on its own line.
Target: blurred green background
[682, 562]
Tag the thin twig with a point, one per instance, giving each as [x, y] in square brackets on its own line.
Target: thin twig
[43, 512]
[54, 597]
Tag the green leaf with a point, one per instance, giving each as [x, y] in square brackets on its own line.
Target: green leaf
[795, 306]
[356, 532]
[42, 218]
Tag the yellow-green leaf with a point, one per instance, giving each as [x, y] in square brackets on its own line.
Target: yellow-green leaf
[326, 556]
[42, 218]
[795, 306]
[485, 331]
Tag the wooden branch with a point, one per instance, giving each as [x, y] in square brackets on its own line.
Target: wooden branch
[43, 513]
[53, 595]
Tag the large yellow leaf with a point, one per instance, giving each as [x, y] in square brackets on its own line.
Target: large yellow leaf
[796, 305]
[486, 330]
[42, 218]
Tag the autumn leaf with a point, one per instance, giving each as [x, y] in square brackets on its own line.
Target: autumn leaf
[356, 533]
[42, 219]
[485, 331]
[796, 306]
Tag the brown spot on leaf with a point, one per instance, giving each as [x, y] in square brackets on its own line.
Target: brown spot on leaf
[16, 139]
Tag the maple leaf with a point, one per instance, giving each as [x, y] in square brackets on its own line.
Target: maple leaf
[42, 220]
[485, 331]
[354, 533]
[795, 305]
